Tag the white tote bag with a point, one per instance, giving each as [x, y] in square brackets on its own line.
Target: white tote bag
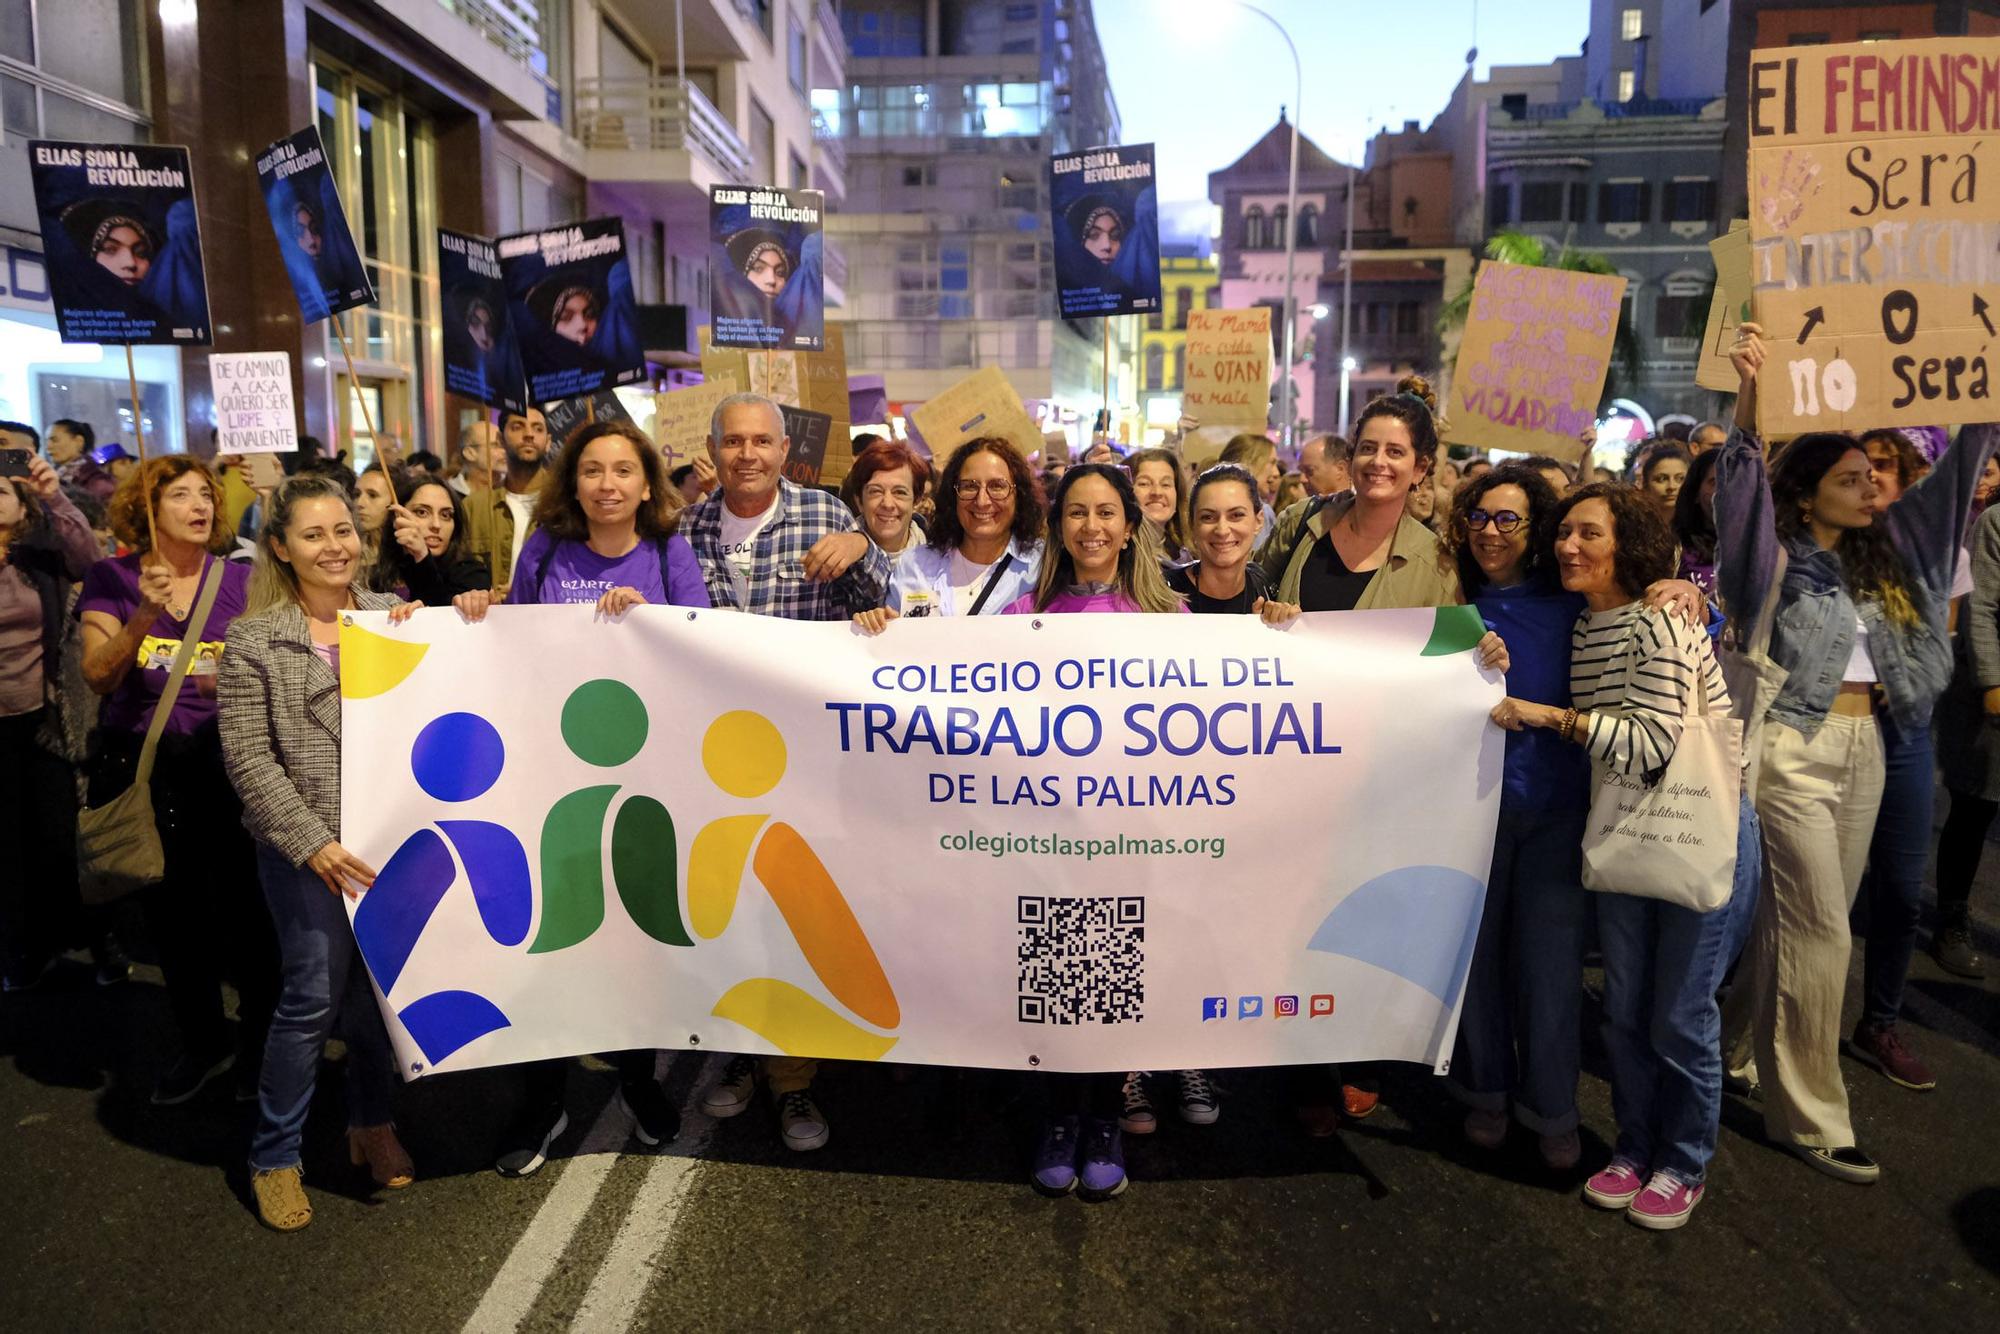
[1674, 839]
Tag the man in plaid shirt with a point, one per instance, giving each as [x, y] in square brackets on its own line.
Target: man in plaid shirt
[773, 548]
[768, 546]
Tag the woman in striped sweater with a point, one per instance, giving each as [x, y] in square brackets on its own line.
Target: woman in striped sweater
[1633, 680]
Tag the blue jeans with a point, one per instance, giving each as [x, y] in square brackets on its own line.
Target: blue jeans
[1662, 1027]
[1892, 893]
[1519, 1030]
[324, 982]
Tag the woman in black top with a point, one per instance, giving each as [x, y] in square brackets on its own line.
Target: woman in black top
[426, 553]
[1224, 515]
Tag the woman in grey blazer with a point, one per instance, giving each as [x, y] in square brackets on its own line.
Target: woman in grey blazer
[279, 691]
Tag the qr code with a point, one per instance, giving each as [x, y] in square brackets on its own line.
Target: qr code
[1081, 960]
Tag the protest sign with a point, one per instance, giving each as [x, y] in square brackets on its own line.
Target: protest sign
[983, 403]
[1532, 359]
[318, 247]
[808, 432]
[481, 359]
[816, 381]
[1106, 224]
[569, 298]
[1168, 853]
[120, 242]
[681, 419]
[766, 267]
[1726, 309]
[1875, 258]
[1227, 381]
[566, 416]
[253, 402]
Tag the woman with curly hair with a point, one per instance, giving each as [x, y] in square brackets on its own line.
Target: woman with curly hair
[985, 541]
[1860, 629]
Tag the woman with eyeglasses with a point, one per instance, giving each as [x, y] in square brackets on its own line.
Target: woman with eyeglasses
[985, 542]
[884, 488]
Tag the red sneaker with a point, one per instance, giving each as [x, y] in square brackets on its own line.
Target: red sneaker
[1881, 1046]
[1358, 1103]
[1665, 1203]
[1616, 1186]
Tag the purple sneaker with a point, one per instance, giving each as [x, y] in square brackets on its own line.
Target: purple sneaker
[1103, 1172]
[1055, 1159]
[1616, 1186]
[1665, 1203]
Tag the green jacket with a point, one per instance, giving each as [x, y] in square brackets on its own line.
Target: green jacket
[1416, 574]
[489, 530]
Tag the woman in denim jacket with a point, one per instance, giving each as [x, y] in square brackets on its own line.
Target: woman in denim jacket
[1860, 628]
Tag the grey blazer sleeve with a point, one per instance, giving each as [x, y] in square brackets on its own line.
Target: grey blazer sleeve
[274, 810]
[1981, 629]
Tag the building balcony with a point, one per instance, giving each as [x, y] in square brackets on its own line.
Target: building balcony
[657, 130]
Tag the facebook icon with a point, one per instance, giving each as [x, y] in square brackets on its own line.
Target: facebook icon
[1215, 1007]
[1249, 1007]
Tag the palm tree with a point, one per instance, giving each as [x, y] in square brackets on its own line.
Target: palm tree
[1533, 252]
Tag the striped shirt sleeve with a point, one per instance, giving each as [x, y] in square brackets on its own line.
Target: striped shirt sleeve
[1635, 719]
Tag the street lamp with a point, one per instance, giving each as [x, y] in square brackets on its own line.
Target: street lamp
[1319, 310]
[1347, 367]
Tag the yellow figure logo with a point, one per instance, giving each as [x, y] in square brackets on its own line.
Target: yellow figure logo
[744, 755]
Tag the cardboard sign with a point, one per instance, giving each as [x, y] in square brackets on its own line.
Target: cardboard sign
[681, 419]
[1204, 445]
[320, 256]
[1726, 308]
[569, 300]
[253, 402]
[1106, 225]
[983, 403]
[1228, 377]
[263, 471]
[1875, 232]
[809, 432]
[569, 415]
[767, 268]
[120, 242]
[1531, 362]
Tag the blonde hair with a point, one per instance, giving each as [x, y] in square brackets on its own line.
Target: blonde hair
[273, 582]
[1252, 451]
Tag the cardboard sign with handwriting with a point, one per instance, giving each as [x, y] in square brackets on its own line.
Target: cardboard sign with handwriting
[1531, 362]
[1726, 307]
[983, 403]
[1875, 232]
[1228, 376]
[681, 419]
[253, 402]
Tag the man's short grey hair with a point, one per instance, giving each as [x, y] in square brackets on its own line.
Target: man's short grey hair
[471, 432]
[1699, 427]
[764, 401]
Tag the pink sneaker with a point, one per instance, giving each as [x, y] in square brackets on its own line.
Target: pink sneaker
[1665, 1203]
[1616, 1186]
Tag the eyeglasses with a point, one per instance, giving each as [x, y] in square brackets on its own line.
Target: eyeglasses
[996, 490]
[1505, 521]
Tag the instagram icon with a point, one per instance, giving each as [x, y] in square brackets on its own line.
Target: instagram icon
[1288, 1007]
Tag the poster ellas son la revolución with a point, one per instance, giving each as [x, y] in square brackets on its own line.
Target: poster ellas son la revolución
[1107, 231]
[569, 296]
[766, 274]
[481, 358]
[121, 241]
[313, 236]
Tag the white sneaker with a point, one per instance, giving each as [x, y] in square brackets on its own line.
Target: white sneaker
[732, 1091]
[800, 1121]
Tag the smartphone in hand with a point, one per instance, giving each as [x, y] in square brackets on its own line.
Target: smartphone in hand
[14, 462]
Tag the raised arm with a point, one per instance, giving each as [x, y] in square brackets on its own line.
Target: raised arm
[1746, 545]
[1932, 520]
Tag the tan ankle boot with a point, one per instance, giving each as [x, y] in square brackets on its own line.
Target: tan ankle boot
[282, 1205]
[382, 1153]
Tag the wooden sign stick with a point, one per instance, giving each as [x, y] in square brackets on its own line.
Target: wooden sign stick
[139, 432]
[367, 417]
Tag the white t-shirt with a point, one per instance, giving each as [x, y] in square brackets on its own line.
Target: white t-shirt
[521, 504]
[967, 579]
[1860, 664]
[1961, 575]
[739, 546]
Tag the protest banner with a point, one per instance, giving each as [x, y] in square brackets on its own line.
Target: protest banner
[1875, 260]
[120, 242]
[983, 403]
[766, 267]
[681, 419]
[253, 402]
[1726, 308]
[318, 247]
[809, 432]
[1227, 381]
[1106, 226]
[1532, 359]
[989, 841]
[482, 360]
[566, 416]
[569, 298]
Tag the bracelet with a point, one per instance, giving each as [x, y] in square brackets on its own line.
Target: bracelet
[1568, 728]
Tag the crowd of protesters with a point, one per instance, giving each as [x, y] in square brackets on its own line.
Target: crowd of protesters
[1869, 566]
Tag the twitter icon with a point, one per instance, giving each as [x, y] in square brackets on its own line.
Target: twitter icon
[1214, 1007]
[1249, 1007]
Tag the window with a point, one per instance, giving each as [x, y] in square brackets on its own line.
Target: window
[1631, 25]
[795, 51]
[917, 175]
[799, 181]
[1628, 85]
[1308, 224]
[763, 138]
[1808, 39]
[1542, 201]
[70, 46]
[1253, 228]
[1623, 201]
[1689, 201]
[1155, 322]
[1499, 204]
[1180, 367]
[1156, 367]
[1681, 308]
[1274, 235]
[1183, 302]
[1212, 298]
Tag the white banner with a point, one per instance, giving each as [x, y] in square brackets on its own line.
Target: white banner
[1060, 842]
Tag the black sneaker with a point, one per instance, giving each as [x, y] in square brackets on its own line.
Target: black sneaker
[26, 974]
[189, 1076]
[526, 1146]
[112, 964]
[654, 1119]
[1952, 947]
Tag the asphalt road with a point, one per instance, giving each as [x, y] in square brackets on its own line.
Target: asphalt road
[115, 1215]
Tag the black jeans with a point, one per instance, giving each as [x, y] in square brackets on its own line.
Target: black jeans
[207, 917]
[39, 909]
[1960, 845]
[544, 1083]
[1068, 1094]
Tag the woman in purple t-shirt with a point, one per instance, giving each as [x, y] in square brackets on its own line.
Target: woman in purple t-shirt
[207, 917]
[604, 536]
